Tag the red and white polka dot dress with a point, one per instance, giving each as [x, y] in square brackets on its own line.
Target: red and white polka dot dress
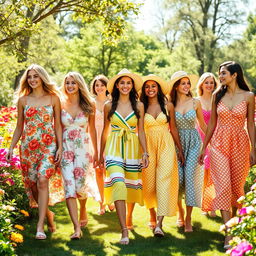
[229, 156]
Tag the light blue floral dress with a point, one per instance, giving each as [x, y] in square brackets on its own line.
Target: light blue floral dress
[191, 174]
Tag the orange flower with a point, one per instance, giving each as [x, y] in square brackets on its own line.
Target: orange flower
[31, 112]
[47, 139]
[26, 153]
[51, 159]
[16, 237]
[25, 213]
[19, 227]
[31, 130]
[33, 144]
[49, 172]
[46, 118]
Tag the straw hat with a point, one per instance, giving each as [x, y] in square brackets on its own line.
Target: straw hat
[125, 72]
[163, 84]
[181, 74]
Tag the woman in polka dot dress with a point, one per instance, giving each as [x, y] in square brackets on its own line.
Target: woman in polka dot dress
[161, 178]
[230, 154]
[191, 174]
[206, 85]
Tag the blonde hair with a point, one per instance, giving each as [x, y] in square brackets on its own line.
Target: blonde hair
[201, 81]
[101, 78]
[24, 89]
[85, 99]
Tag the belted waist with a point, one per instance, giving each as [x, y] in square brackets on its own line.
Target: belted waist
[124, 132]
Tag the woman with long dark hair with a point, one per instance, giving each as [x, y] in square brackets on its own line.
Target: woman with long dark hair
[122, 148]
[188, 110]
[161, 178]
[230, 153]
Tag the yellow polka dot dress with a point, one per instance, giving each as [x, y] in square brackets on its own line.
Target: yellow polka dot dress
[123, 169]
[160, 179]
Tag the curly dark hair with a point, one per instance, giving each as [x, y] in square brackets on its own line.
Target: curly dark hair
[232, 67]
[160, 97]
[133, 97]
[173, 93]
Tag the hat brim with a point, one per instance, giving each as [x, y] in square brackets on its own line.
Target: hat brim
[138, 82]
[163, 84]
[192, 78]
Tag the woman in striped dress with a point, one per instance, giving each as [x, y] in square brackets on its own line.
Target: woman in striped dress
[122, 148]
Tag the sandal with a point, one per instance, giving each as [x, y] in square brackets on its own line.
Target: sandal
[158, 232]
[40, 235]
[76, 235]
[124, 240]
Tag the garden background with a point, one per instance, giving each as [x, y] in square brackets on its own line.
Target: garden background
[104, 36]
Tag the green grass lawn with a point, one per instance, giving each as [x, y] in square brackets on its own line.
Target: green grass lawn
[102, 234]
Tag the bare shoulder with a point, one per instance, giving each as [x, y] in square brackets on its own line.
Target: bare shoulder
[197, 102]
[22, 101]
[107, 105]
[140, 105]
[249, 96]
[169, 106]
[55, 99]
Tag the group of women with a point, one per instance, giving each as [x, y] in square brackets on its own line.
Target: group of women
[140, 139]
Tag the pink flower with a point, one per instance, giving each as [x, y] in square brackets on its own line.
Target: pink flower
[247, 210]
[241, 248]
[78, 172]
[69, 155]
[73, 134]
[242, 211]
[9, 181]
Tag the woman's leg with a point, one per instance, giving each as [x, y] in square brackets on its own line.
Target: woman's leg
[83, 213]
[180, 220]
[73, 212]
[130, 208]
[152, 221]
[121, 213]
[100, 183]
[226, 216]
[188, 225]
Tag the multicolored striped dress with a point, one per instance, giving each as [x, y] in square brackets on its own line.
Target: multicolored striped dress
[123, 176]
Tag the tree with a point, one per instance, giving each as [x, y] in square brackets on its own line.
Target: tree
[206, 24]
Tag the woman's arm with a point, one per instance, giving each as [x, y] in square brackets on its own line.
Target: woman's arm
[174, 131]
[19, 127]
[251, 125]
[210, 129]
[58, 128]
[93, 135]
[200, 116]
[142, 136]
[104, 134]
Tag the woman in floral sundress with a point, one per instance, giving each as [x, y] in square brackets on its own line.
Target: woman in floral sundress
[41, 144]
[77, 164]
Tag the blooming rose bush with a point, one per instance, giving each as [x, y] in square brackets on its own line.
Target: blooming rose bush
[243, 226]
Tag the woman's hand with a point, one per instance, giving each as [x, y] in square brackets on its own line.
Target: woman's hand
[144, 160]
[95, 160]
[201, 157]
[8, 156]
[102, 162]
[252, 157]
[58, 156]
[181, 157]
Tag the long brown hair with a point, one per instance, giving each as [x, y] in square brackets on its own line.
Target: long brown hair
[101, 78]
[85, 99]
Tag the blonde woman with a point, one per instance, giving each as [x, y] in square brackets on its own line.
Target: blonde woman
[78, 113]
[41, 144]
[206, 85]
[99, 89]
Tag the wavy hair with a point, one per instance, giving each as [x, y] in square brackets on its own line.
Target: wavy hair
[133, 97]
[24, 89]
[202, 78]
[85, 99]
[232, 67]
[173, 93]
[101, 78]
[161, 98]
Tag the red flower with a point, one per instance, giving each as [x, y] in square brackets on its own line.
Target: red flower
[49, 172]
[73, 134]
[78, 172]
[69, 155]
[33, 144]
[47, 139]
[31, 130]
[31, 112]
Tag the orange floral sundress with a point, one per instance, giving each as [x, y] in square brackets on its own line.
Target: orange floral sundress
[37, 152]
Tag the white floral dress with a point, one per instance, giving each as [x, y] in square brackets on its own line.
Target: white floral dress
[76, 165]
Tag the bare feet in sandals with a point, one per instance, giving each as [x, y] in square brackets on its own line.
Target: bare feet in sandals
[124, 239]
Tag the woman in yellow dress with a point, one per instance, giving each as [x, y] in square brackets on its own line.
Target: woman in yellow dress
[160, 179]
[124, 113]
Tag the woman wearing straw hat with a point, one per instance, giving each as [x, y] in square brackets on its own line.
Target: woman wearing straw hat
[206, 85]
[122, 150]
[161, 178]
[187, 111]
[230, 153]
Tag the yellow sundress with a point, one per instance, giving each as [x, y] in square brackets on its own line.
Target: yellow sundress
[123, 179]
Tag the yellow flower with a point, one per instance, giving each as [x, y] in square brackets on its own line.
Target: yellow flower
[19, 227]
[25, 213]
[1, 192]
[16, 237]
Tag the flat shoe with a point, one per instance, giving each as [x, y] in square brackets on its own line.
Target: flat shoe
[158, 232]
[76, 235]
[124, 240]
[40, 235]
